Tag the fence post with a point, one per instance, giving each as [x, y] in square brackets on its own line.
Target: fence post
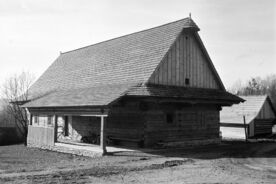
[245, 128]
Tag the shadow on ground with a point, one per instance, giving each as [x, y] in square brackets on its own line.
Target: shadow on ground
[227, 149]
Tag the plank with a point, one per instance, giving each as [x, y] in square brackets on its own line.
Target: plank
[177, 67]
[173, 68]
[170, 67]
[181, 61]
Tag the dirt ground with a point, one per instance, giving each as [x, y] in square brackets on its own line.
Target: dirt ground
[229, 162]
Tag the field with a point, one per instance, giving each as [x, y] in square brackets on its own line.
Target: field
[230, 162]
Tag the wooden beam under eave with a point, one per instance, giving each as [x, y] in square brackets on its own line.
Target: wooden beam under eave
[103, 135]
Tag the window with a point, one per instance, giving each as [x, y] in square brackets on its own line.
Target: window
[169, 118]
[187, 81]
[49, 120]
[35, 119]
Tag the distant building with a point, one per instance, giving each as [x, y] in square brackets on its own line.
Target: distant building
[259, 117]
[156, 85]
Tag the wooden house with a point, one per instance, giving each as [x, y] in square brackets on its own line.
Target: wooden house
[156, 85]
[259, 117]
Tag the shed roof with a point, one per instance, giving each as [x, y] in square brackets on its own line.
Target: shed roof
[250, 109]
[105, 71]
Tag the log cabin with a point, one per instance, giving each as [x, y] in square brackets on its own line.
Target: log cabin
[154, 86]
[252, 119]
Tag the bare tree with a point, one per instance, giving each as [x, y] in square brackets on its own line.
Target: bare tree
[15, 91]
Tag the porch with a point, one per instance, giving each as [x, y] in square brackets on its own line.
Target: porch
[43, 137]
[50, 130]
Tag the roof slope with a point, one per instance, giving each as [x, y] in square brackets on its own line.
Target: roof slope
[101, 73]
[250, 108]
[127, 59]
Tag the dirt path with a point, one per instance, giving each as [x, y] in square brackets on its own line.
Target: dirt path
[226, 163]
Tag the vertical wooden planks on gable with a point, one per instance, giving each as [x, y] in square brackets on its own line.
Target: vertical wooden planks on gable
[203, 74]
[211, 84]
[181, 61]
[189, 57]
[200, 69]
[160, 74]
[196, 63]
[185, 59]
[165, 70]
[177, 67]
[185, 49]
[169, 67]
[208, 73]
[192, 62]
[173, 70]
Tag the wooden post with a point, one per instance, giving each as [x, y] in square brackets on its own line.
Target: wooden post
[103, 141]
[31, 119]
[245, 129]
[55, 128]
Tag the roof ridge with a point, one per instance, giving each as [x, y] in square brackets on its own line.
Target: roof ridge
[187, 18]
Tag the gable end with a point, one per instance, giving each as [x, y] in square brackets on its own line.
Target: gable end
[187, 64]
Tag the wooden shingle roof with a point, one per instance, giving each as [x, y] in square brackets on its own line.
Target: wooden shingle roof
[99, 74]
[127, 59]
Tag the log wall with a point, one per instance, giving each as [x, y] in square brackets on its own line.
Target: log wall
[146, 121]
[196, 123]
[126, 123]
[263, 126]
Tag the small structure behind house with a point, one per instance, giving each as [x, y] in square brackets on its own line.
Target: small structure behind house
[259, 116]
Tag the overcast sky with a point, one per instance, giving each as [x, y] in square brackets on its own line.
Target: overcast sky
[240, 35]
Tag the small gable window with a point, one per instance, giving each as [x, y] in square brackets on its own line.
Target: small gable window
[187, 81]
[169, 118]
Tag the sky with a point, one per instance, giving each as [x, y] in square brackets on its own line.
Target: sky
[240, 35]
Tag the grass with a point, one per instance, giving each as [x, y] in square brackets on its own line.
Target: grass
[20, 164]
